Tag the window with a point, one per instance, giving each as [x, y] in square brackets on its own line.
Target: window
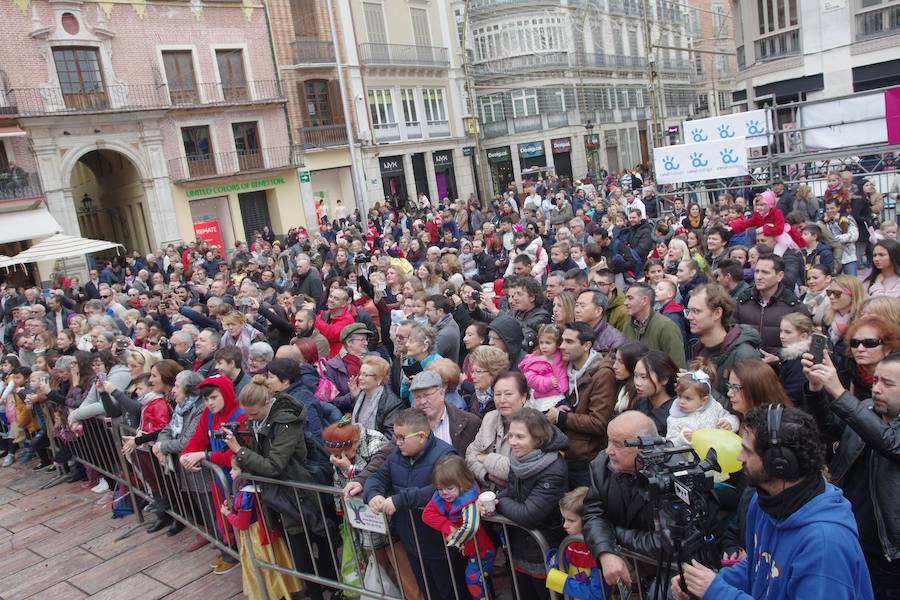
[554, 100]
[304, 15]
[381, 107]
[524, 103]
[633, 43]
[408, 100]
[179, 67]
[435, 109]
[618, 47]
[318, 105]
[776, 14]
[80, 78]
[4, 159]
[231, 74]
[198, 150]
[719, 21]
[492, 108]
[375, 23]
[246, 143]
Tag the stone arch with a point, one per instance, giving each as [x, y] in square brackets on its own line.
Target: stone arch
[73, 156]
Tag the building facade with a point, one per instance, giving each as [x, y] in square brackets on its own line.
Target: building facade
[564, 83]
[150, 123]
[714, 59]
[390, 69]
[796, 50]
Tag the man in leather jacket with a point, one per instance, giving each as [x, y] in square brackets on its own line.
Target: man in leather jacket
[616, 513]
[866, 464]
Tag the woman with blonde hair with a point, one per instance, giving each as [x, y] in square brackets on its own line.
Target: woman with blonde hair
[241, 334]
[82, 330]
[487, 363]
[564, 308]
[887, 307]
[805, 201]
[452, 269]
[846, 295]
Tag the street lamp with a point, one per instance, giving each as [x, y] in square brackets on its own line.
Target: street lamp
[591, 149]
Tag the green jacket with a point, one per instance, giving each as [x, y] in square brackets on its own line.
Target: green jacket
[278, 449]
[659, 333]
[617, 316]
[741, 343]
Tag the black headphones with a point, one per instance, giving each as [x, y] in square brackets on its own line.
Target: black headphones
[778, 461]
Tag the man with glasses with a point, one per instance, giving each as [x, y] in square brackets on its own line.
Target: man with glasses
[649, 327]
[605, 281]
[107, 297]
[708, 315]
[445, 421]
[400, 488]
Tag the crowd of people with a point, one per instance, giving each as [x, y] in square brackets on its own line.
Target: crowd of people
[419, 357]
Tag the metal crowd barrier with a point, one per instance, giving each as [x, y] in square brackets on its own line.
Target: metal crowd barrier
[639, 563]
[189, 497]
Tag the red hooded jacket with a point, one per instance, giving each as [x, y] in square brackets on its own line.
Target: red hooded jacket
[332, 328]
[202, 440]
[155, 415]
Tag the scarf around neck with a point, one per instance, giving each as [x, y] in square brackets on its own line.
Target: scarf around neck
[177, 422]
[532, 463]
[783, 505]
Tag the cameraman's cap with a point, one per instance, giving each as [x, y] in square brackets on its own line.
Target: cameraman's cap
[354, 328]
[426, 380]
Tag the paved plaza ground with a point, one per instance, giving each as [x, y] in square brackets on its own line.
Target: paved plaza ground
[62, 544]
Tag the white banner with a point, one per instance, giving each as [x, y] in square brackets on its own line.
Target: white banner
[752, 126]
[699, 162]
[824, 128]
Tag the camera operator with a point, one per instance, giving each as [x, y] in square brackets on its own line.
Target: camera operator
[801, 539]
[616, 512]
[867, 462]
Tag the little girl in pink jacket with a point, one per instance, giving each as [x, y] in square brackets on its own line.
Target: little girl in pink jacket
[545, 371]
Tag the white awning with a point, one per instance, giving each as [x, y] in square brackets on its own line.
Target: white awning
[60, 246]
[11, 131]
[27, 225]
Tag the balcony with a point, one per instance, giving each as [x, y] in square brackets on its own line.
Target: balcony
[612, 62]
[414, 130]
[387, 132]
[323, 136]
[313, 52]
[526, 63]
[530, 123]
[438, 129]
[403, 55]
[878, 23]
[484, 7]
[124, 98]
[557, 119]
[780, 45]
[626, 7]
[20, 185]
[495, 129]
[225, 164]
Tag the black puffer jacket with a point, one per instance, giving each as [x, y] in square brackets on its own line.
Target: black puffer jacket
[533, 503]
[767, 319]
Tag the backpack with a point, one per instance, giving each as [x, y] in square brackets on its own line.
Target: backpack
[318, 461]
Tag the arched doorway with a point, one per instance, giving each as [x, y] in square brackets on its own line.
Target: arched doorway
[110, 200]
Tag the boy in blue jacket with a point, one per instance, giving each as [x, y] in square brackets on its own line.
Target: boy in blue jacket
[400, 488]
[801, 538]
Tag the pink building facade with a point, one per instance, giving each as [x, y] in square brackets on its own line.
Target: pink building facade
[141, 120]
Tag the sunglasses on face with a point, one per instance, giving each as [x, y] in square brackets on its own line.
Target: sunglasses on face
[835, 293]
[866, 343]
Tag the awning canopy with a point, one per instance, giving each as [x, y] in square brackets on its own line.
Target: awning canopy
[59, 246]
[27, 225]
[11, 131]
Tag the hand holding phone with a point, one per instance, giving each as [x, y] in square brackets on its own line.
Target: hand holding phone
[817, 345]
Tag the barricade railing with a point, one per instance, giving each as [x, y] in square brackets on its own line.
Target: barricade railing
[638, 564]
[316, 546]
[391, 555]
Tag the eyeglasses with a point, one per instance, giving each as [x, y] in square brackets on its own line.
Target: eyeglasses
[835, 293]
[866, 343]
[399, 441]
[106, 296]
[692, 311]
[734, 387]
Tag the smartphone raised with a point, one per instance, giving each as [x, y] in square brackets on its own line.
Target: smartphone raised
[817, 345]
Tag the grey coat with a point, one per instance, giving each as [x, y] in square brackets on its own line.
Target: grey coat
[92, 406]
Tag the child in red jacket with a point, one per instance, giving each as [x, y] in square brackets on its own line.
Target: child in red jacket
[454, 512]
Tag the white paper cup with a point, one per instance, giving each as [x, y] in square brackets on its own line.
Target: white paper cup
[488, 501]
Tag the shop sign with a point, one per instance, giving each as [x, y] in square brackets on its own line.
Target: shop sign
[468, 151]
[531, 149]
[305, 177]
[235, 187]
[209, 232]
[561, 145]
[498, 154]
[391, 165]
[442, 158]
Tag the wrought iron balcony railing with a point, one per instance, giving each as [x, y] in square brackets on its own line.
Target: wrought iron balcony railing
[18, 184]
[222, 164]
[404, 55]
[323, 136]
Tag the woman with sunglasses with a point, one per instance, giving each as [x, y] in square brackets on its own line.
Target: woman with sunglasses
[870, 338]
[845, 294]
[884, 280]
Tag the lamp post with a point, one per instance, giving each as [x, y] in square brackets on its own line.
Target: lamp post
[591, 149]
